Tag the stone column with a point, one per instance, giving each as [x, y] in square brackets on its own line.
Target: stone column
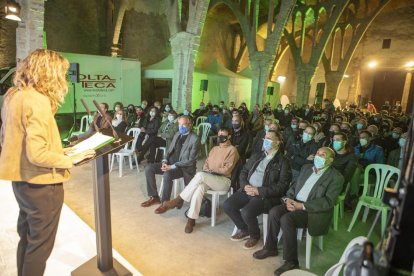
[260, 63]
[406, 91]
[29, 32]
[304, 76]
[333, 80]
[183, 48]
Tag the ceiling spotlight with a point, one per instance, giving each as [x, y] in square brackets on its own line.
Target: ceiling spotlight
[346, 76]
[372, 64]
[281, 79]
[410, 64]
[12, 10]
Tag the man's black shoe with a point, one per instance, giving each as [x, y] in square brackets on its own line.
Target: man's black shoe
[288, 265]
[264, 253]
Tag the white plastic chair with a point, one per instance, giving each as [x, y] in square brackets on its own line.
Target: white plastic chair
[127, 151]
[178, 185]
[201, 119]
[205, 130]
[265, 224]
[84, 125]
[309, 238]
[215, 200]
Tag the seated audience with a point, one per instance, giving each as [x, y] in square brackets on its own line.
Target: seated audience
[98, 123]
[366, 152]
[345, 160]
[240, 137]
[308, 204]
[264, 180]
[201, 111]
[302, 152]
[180, 161]
[391, 142]
[165, 135]
[395, 158]
[132, 116]
[140, 117]
[215, 119]
[255, 121]
[216, 175]
[149, 130]
[119, 121]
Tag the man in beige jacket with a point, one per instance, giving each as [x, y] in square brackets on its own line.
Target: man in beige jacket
[215, 176]
[32, 156]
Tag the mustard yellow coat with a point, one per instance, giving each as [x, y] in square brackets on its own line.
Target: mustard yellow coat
[30, 141]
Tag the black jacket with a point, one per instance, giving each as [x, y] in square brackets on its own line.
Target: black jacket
[299, 152]
[240, 140]
[276, 179]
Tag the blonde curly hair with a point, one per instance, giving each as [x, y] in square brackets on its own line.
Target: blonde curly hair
[45, 71]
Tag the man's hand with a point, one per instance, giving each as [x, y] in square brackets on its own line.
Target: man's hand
[292, 205]
[251, 191]
[311, 157]
[165, 167]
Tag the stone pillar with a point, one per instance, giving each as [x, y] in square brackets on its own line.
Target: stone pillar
[29, 32]
[333, 80]
[183, 48]
[406, 91]
[260, 63]
[304, 76]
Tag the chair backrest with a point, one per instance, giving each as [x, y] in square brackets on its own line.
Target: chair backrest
[383, 174]
[134, 132]
[84, 124]
[205, 129]
[201, 119]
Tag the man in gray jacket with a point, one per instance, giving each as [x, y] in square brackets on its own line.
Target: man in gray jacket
[308, 204]
[180, 161]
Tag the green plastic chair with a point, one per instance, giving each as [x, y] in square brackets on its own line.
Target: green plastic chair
[339, 207]
[383, 175]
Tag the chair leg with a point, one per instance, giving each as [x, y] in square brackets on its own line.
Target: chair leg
[365, 216]
[205, 146]
[383, 220]
[161, 187]
[121, 164]
[355, 216]
[299, 234]
[213, 209]
[130, 162]
[320, 244]
[265, 225]
[341, 208]
[136, 161]
[280, 235]
[308, 249]
[234, 231]
[336, 217]
[112, 162]
[175, 188]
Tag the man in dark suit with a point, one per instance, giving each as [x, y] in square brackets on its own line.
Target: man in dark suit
[180, 161]
[308, 204]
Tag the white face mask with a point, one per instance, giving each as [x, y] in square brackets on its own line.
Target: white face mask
[119, 117]
[152, 114]
[171, 118]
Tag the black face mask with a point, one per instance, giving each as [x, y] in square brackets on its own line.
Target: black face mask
[222, 139]
[236, 126]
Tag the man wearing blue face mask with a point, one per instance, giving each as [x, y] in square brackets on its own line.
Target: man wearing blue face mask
[180, 161]
[264, 180]
[302, 152]
[366, 152]
[308, 204]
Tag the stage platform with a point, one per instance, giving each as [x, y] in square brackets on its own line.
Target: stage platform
[75, 241]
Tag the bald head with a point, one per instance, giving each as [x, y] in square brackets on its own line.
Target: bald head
[326, 153]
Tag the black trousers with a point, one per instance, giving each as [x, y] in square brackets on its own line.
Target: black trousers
[156, 143]
[40, 207]
[243, 211]
[168, 177]
[281, 218]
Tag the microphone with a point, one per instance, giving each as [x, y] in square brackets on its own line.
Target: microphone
[104, 118]
[89, 112]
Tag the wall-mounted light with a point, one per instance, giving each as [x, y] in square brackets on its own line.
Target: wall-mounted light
[12, 10]
[346, 76]
[410, 64]
[372, 64]
[281, 79]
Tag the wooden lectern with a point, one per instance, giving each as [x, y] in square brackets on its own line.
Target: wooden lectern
[103, 264]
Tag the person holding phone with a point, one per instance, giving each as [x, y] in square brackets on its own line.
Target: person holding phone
[32, 156]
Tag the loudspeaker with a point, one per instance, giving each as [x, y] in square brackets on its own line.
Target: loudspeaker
[74, 72]
[320, 90]
[270, 90]
[204, 85]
